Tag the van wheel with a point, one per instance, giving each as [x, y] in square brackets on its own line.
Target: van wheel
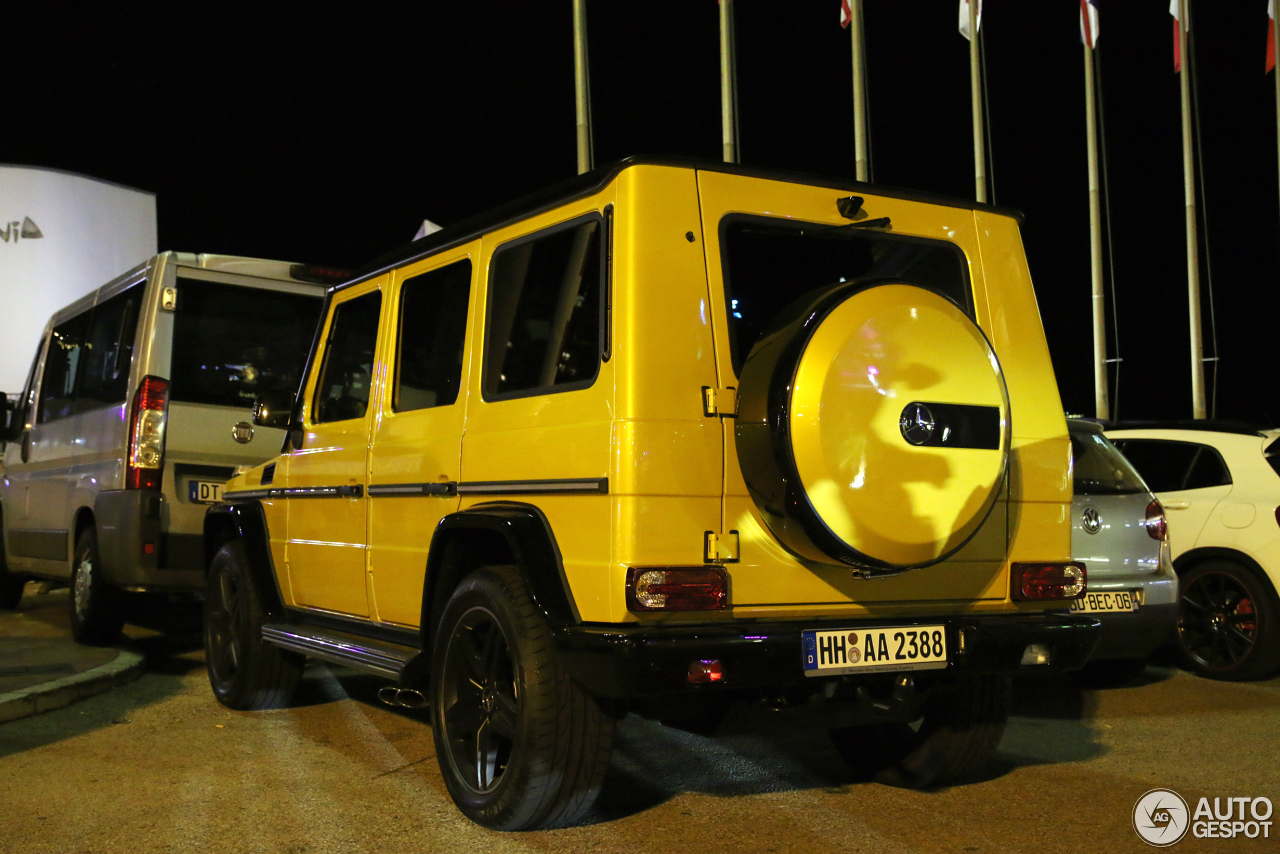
[1227, 622]
[519, 744]
[11, 586]
[245, 672]
[957, 734]
[97, 609]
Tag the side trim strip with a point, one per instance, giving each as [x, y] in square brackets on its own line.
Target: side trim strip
[347, 491]
[450, 488]
[599, 485]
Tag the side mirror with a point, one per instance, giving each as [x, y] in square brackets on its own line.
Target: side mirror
[273, 409]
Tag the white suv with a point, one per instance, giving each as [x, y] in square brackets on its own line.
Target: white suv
[1220, 487]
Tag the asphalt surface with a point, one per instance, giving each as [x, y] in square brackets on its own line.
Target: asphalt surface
[159, 766]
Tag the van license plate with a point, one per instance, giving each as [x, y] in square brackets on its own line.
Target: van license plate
[1111, 602]
[204, 491]
[878, 650]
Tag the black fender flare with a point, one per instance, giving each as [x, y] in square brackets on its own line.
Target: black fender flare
[245, 521]
[526, 535]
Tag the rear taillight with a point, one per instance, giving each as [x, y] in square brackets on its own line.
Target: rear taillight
[1157, 527]
[677, 588]
[1038, 581]
[146, 434]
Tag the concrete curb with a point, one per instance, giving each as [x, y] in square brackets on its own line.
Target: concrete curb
[126, 667]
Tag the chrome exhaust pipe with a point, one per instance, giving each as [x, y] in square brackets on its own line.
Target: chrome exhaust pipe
[404, 698]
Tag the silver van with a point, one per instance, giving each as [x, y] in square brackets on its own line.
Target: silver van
[136, 410]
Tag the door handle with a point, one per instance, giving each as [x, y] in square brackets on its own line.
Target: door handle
[1175, 505]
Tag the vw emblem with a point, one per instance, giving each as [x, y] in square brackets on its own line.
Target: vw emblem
[917, 424]
[1091, 521]
[242, 432]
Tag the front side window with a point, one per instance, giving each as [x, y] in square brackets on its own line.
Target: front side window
[433, 325]
[347, 376]
[109, 349]
[1099, 469]
[58, 384]
[231, 343]
[770, 263]
[544, 325]
[1174, 466]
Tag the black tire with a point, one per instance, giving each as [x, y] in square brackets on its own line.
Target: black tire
[11, 586]
[519, 744]
[958, 732]
[97, 609]
[245, 672]
[1227, 622]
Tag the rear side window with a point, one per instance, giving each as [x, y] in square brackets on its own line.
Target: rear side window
[545, 323]
[231, 343]
[109, 350]
[1172, 466]
[770, 263]
[58, 383]
[347, 377]
[433, 324]
[1099, 469]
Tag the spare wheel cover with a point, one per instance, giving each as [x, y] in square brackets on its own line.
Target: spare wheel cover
[873, 427]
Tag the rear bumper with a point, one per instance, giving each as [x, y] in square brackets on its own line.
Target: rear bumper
[648, 661]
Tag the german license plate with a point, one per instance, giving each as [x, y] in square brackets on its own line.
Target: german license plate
[878, 650]
[204, 491]
[1110, 602]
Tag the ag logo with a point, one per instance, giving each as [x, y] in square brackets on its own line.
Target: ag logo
[1091, 521]
[1160, 817]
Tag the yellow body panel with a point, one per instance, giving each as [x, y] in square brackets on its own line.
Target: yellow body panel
[645, 424]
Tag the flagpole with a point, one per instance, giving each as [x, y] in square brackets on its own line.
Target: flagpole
[975, 93]
[582, 85]
[1193, 248]
[1100, 396]
[859, 93]
[728, 83]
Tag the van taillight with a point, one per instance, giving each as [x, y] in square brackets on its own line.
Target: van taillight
[1157, 527]
[146, 434]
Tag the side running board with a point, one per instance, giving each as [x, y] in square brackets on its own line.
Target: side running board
[372, 656]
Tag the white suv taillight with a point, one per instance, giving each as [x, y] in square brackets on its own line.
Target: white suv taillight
[146, 434]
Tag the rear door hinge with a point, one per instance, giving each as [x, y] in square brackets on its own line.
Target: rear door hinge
[722, 402]
[718, 548]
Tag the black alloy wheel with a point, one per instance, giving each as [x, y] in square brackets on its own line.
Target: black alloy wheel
[245, 671]
[481, 698]
[1227, 622]
[520, 745]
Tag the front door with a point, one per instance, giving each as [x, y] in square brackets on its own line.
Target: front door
[328, 475]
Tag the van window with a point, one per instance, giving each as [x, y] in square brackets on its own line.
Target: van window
[109, 350]
[770, 263]
[58, 385]
[231, 343]
[544, 319]
[343, 391]
[433, 323]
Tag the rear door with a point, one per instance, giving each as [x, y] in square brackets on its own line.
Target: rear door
[1189, 478]
[414, 462]
[769, 247]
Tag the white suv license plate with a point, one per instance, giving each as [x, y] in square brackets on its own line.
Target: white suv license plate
[879, 650]
[204, 491]
[1111, 602]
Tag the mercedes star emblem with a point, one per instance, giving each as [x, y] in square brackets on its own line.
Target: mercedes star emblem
[917, 424]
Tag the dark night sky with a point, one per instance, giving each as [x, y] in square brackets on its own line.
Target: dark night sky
[327, 134]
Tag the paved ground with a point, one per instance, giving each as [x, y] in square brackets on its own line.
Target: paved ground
[159, 766]
[42, 668]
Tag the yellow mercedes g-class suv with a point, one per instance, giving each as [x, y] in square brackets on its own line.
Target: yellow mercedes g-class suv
[668, 437]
